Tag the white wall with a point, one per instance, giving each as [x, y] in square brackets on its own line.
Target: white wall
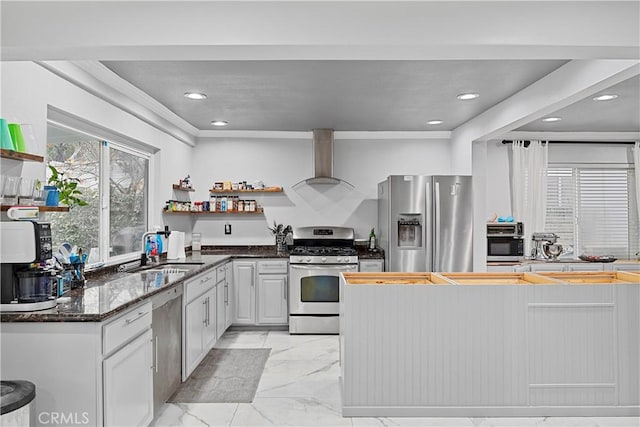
[363, 163]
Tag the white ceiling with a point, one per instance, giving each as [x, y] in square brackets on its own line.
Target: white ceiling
[351, 65]
[341, 95]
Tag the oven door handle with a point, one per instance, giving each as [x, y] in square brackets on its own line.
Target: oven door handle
[323, 267]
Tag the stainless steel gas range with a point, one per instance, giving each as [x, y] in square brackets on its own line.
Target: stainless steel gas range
[318, 256]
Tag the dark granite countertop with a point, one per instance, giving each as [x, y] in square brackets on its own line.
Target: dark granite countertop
[109, 293]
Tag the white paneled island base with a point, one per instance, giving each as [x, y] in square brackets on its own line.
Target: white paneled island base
[428, 347]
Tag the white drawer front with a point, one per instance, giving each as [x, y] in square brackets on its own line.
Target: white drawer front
[126, 327]
[275, 267]
[199, 285]
[221, 273]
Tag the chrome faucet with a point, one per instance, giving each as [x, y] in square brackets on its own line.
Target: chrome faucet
[154, 258]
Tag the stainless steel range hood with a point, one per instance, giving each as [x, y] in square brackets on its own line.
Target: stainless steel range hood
[323, 160]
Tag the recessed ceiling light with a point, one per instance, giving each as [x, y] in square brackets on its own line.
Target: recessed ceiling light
[607, 97]
[219, 123]
[552, 119]
[195, 95]
[435, 122]
[467, 96]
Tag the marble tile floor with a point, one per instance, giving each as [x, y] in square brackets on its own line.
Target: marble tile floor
[299, 387]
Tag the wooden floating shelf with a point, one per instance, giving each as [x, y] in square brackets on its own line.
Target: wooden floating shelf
[5, 208]
[177, 187]
[256, 212]
[265, 190]
[17, 155]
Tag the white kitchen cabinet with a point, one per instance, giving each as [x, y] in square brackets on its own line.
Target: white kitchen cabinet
[128, 384]
[501, 268]
[550, 266]
[209, 334]
[244, 287]
[199, 330]
[630, 266]
[272, 299]
[193, 327]
[228, 295]
[371, 265]
[585, 266]
[272, 292]
[221, 300]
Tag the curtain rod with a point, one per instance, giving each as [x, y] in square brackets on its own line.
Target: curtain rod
[526, 143]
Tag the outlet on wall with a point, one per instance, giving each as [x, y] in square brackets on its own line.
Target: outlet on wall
[227, 228]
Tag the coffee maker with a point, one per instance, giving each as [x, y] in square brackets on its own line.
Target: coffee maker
[26, 285]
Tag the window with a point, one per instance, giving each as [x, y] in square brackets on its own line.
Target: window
[105, 171]
[593, 210]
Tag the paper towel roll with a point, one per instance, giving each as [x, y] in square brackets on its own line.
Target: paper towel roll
[176, 245]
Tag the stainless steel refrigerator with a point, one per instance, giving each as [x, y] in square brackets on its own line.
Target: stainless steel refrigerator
[425, 223]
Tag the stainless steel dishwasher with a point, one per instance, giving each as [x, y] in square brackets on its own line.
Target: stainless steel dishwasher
[166, 323]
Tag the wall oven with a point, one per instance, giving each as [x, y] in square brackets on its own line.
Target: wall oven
[505, 241]
[318, 257]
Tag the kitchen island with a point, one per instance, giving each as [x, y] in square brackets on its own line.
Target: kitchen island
[489, 344]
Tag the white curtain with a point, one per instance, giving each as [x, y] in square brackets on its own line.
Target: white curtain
[529, 186]
[636, 164]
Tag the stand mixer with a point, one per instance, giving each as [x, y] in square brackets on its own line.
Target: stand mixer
[544, 246]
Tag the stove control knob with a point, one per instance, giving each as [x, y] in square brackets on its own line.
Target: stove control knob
[308, 259]
[338, 259]
[300, 259]
[323, 259]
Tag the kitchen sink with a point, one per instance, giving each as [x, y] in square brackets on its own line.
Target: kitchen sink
[184, 266]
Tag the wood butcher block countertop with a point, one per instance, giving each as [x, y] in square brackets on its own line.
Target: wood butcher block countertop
[595, 277]
[484, 278]
[394, 279]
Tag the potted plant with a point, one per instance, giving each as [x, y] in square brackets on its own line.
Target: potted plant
[281, 232]
[65, 188]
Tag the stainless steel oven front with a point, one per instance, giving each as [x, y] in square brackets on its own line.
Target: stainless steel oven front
[314, 297]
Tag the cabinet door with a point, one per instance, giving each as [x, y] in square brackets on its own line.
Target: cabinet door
[547, 267]
[371, 265]
[586, 266]
[221, 308]
[500, 268]
[209, 332]
[272, 299]
[228, 296]
[128, 384]
[193, 330]
[625, 267]
[244, 292]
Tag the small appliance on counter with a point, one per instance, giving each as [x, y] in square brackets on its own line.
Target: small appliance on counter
[545, 247]
[26, 286]
[505, 241]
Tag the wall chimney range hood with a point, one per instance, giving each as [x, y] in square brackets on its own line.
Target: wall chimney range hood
[323, 160]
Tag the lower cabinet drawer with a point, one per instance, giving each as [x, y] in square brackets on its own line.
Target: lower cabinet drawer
[126, 327]
[273, 267]
[199, 285]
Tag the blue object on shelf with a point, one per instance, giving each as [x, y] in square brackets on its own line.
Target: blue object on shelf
[53, 195]
[505, 218]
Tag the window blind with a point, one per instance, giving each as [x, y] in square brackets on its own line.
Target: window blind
[592, 210]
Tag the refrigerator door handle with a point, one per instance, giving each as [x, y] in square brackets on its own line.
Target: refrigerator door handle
[436, 254]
